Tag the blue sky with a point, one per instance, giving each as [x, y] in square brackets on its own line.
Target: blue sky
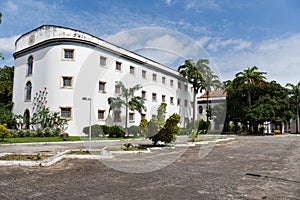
[236, 34]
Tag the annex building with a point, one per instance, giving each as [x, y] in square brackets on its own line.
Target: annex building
[58, 67]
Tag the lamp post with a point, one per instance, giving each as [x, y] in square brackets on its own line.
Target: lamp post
[90, 116]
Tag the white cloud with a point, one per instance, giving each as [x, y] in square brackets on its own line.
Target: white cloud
[8, 44]
[217, 44]
[166, 46]
[201, 5]
[278, 57]
[203, 40]
[168, 2]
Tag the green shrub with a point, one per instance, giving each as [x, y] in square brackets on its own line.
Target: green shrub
[168, 133]
[97, 130]
[29, 133]
[143, 126]
[193, 136]
[4, 132]
[128, 146]
[21, 133]
[134, 130]
[116, 131]
[203, 126]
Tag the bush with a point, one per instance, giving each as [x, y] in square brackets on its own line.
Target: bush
[97, 130]
[143, 126]
[116, 131]
[168, 133]
[134, 130]
[203, 126]
[4, 132]
[193, 136]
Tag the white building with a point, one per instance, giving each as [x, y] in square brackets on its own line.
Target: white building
[57, 66]
[217, 104]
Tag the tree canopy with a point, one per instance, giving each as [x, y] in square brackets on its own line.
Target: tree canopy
[251, 100]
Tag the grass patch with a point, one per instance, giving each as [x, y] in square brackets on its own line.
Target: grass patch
[38, 139]
[24, 157]
[86, 138]
[134, 148]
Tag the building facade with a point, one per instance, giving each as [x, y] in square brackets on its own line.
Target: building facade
[58, 67]
[213, 103]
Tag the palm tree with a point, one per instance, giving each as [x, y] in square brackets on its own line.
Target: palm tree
[295, 92]
[128, 100]
[190, 71]
[211, 82]
[247, 79]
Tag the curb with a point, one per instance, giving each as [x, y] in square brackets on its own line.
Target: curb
[105, 154]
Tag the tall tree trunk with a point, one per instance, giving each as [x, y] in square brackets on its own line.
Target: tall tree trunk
[126, 117]
[251, 129]
[194, 110]
[297, 115]
[207, 105]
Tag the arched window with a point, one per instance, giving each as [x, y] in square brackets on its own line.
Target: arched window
[26, 119]
[29, 65]
[28, 91]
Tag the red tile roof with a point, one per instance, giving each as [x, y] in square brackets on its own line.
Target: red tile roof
[217, 93]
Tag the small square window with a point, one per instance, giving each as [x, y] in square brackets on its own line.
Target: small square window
[163, 80]
[69, 53]
[118, 66]
[117, 116]
[102, 86]
[143, 116]
[171, 83]
[144, 96]
[144, 73]
[101, 114]
[178, 102]
[154, 77]
[163, 98]
[172, 100]
[67, 82]
[179, 85]
[66, 112]
[103, 61]
[154, 97]
[132, 70]
[131, 117]
[118, 89]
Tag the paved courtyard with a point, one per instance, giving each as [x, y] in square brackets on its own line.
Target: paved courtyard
[246, 168]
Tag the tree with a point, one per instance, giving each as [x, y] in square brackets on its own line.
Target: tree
[1, 54]
[294, 91]
[4, 132]
[168, 133]
[45, 119]
[6, 85]
[191, 71]
[211, 82]
[128, 100]
[6, 90]
[247, 80]
[269, 101]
